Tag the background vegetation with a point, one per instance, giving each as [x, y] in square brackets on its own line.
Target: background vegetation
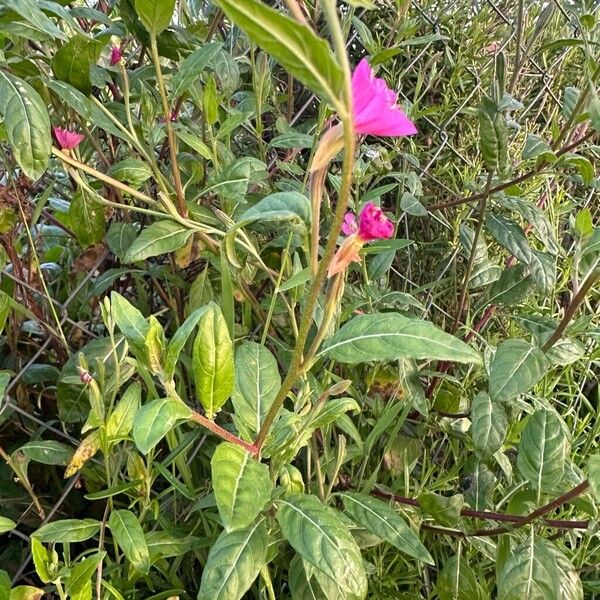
[466, 481]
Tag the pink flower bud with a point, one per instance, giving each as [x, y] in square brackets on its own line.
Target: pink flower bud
[115, 55]
[67, 139]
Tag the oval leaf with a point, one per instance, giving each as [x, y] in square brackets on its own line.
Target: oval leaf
[160, 238]
[128, 533]
[27, 124]
[488, 424]
[389, 336]
[257, 382]
[516, 367]
[67, 530]
[233, 563]
[318, 535]
[543, 450]
[242, 485]
[212, 361]
[155, 419]
[382, 520]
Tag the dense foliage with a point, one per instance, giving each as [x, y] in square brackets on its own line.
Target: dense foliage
[216, 383]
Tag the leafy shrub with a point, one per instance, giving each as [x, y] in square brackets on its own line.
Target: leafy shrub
[277, 347]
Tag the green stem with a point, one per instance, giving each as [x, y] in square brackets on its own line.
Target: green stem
[586, 286]
[170, 134]
[296, 369]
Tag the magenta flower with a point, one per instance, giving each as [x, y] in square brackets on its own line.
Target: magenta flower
[67, 139]
[372, 225]
[374, 106]
[115, 55]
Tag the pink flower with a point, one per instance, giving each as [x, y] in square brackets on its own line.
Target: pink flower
[349, 225]
[67, 139]
[374, 106]
[372, 225]
[115, 55]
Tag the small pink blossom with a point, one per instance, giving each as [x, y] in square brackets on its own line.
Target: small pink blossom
[115, 55]
[373, 224]
[349, 225]
[374, 106]
[67, 139]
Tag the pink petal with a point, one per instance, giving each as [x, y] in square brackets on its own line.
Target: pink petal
[361, 86]
[349, 225]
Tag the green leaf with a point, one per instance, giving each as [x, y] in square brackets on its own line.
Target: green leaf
[318, 535]
[41, 560]
[232, 181]
[233, 563]
[303, 585]
[571, 586]
[295, 46]
[529, 573]
[67, 530]
[492, 136]
[84, 107]
[570, 99]
[242, 485]
[280, 206]
[514, 286]
[30, 11]
[155, 14]
[47, 452]
[155, 419]
[159, 238]
[190, 69]
[516, 367]
[543, 450]
[457, 581]
[589, 258]
[26, 592]
[383, 521]
[257, 382]
[594, 475]
[488, 424]
[131, 170]
[413, 206]
[81, 573]
[130, 321]
[594, 110]
[119, 237]
[212, 361]
[87, 218]
[128, 533]
[73, 61]
[389, 336]
[444, 509]
[6, 524]
[179, 340]
[120, 422]
[27, 124]
[4, 584]
[536, 146]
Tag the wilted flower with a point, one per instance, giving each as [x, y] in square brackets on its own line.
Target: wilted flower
[372, 225]
[67, 139]
[374, 106]
[115, 55]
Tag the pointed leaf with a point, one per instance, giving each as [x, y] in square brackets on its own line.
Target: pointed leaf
[154, 420]
[382, 520]
[389, 336]
[242, 485]
[128, 533]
